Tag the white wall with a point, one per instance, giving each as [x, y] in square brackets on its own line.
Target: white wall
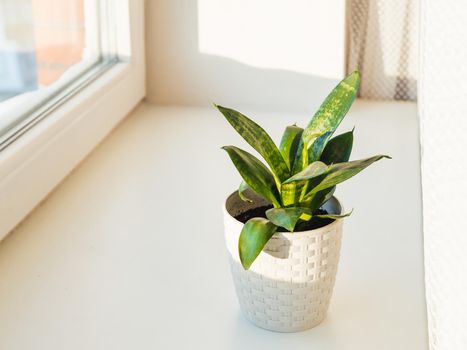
[269, 54]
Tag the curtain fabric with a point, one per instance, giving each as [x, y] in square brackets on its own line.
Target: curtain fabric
[382, 43]
[443, 124]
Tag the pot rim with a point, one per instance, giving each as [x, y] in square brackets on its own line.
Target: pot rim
[286, 233]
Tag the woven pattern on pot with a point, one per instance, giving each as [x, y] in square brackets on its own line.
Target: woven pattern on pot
[289, 286]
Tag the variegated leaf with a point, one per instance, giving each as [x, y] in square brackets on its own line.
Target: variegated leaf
[289, 144]
[333, 216]
[336, 173]
[255, 234]
[338, 149]
[311, 171]
[328, 117]
[241, 192]
[316, 149]
[259, 140]
[293, 192]
[289, 217]
[316, 200]
[285, 217]
[255, 174]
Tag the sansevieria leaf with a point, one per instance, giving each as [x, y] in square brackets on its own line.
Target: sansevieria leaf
[316, 149]
[333, 216]
[259, 140]
[328, 117]
[313, 170]
[289, 144]
[289, 217]
[327, 194]
[255, 234]
[316, 200]
[293, 191]
[341, 172]
[241, 192]
[290, 193]
[285, 217]
[338, 149]
[255, 174]
[313, 154]
[335, 173]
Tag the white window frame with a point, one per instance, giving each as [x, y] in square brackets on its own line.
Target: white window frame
[33, 165]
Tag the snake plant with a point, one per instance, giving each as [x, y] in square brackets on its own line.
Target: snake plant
[303, 171]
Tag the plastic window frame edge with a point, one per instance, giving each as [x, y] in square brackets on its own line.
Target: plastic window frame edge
[33, 165]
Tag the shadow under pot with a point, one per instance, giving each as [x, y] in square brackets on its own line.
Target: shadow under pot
[289, 286]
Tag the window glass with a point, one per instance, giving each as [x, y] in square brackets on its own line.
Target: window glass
[48, 48]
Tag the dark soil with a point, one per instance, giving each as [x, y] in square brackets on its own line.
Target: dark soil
[260, 212]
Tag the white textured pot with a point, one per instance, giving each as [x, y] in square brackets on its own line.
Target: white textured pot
[289, 286]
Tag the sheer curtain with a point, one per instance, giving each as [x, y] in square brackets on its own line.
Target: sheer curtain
[382, 43]
[443, 127]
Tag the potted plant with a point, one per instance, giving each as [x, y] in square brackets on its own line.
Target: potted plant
[283, 226]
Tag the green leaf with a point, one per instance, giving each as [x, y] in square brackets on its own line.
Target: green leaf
[292, 192]
[255, 234]
[313, 170]
[338, 149]
[341, 172]
[333, 216]
[333, 109]
[336, 173]
[316, 200]
[316, 149]
[285, 217]
[313, 155]
[289, 144]
[259, 140]
[289, 217]
[328, 117]
[255, 174]
[241, 192]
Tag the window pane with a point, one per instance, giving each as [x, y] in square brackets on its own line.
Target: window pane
[46, 46]
[58, 28]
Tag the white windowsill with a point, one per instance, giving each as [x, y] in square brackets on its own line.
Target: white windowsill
[128, 252]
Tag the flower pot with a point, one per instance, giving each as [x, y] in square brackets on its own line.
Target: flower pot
[289, 286]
